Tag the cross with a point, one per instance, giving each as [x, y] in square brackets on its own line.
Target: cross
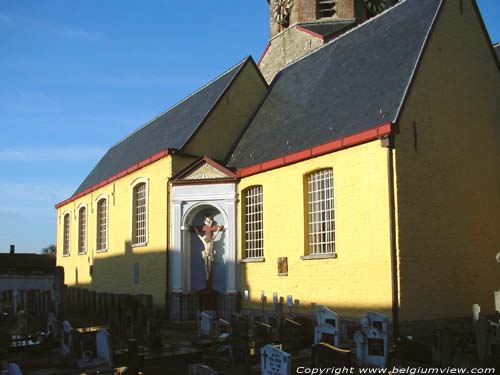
[208, 229]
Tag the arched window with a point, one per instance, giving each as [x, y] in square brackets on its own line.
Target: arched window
[254, 222]
[320, 212]
[139, 214]
[102, 224]
[66, 233]
[82, 230]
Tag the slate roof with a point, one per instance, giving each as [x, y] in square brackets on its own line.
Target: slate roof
[353, 83]
[170, 130]
[326, 29]
[497, 50]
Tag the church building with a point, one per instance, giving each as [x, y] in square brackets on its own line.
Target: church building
[355, 166]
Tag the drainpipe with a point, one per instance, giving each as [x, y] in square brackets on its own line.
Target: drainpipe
[388, 142]
[168, 295]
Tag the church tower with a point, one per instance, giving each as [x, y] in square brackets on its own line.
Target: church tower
[298, 27]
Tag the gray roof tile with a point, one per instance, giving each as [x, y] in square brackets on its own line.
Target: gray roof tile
[170, 130]
[353, 83]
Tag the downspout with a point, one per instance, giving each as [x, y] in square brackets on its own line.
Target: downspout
[168, 294]
[388, 142]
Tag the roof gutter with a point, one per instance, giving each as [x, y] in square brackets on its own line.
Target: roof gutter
[123, 173]
[351, 140]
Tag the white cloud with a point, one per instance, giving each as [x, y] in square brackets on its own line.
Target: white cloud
[44, 154]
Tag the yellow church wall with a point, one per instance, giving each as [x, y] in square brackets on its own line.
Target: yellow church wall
[448, 174]
[359, 279]
[113, 269]
[225, 123]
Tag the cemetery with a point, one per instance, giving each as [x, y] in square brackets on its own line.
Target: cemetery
[106, 332]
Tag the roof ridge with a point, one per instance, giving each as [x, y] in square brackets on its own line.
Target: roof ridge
[355, 28]
[417, 62]
[178, 103]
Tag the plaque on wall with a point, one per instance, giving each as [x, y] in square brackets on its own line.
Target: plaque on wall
[283, 266]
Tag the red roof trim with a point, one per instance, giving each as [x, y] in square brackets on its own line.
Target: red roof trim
[117, 176]
[335, 145]
[310, 32]
[264, 53]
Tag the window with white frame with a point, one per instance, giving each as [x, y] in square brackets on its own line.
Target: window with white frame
[66, 233]
[321, 213]
[82, 230]
[139, 214]
[102, 224]
[254, 222]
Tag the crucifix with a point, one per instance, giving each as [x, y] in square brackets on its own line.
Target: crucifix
[208, 253]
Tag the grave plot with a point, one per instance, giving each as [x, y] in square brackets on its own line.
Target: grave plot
[324, 355]
[274, 361]
[372, 341]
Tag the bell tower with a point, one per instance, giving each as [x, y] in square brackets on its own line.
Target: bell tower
[298, 27]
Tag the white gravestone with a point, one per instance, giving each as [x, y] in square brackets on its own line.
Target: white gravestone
[67, 333]
[104, 348]
[497, 300]
[372, 341]
[476, 310]
[274, 361]
[205, 323]
[326, 329]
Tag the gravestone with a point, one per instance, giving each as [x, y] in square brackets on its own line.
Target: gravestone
[290, 334]
[324, 355]
[497, 301]
[349, 328]
[327, 323]
[222, 329]
[262, 334]
[275, 361]
[51, 324]
[205, 323]
[476, 310]
[242, 346]
[372, 340]
[240, 326]
[103, 345]
[487, 338]
[67, 337]
[199, 369]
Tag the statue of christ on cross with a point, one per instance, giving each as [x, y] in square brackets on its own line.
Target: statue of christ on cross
[208, 253]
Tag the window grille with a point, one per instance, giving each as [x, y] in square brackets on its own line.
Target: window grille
[326, 8]
[321, 212]
[66, 223]
[254, 220]
[140, 214]
[102, 224]
[82, 231]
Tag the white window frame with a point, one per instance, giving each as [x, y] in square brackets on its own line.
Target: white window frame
[320, 214]
[68, 252]
[253, 222]
[98, 223]
[79, 244]
[133, 208]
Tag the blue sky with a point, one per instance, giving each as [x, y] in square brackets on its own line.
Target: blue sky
[77, 76]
